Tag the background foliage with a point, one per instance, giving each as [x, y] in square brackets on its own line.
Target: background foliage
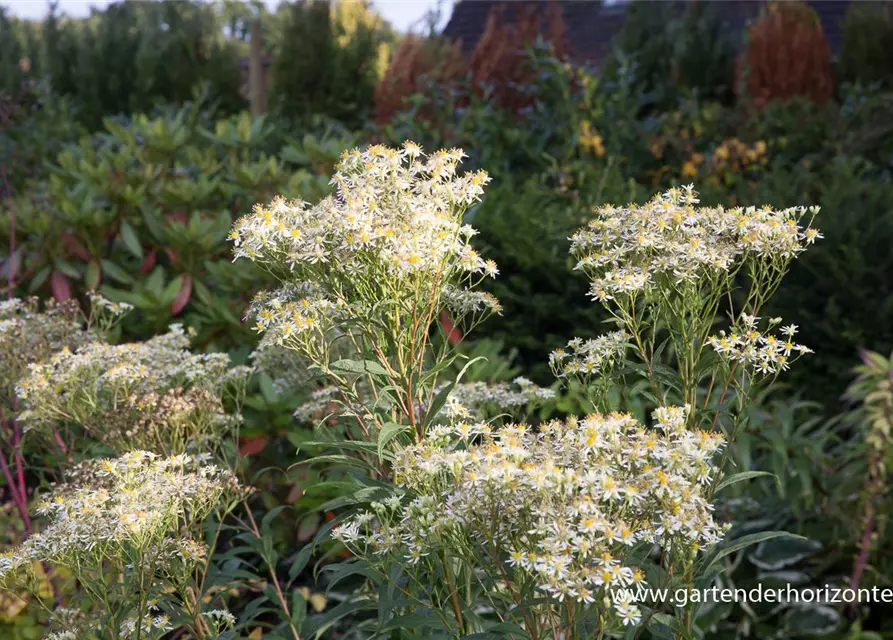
[126, 153]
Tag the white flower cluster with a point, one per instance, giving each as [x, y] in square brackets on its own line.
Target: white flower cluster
[29, 334]
[177, 421]
[151, 627]
[100, 303]
[587, 358]
[394, 210]
[562, 505]
[761, 353]
[286, 314]
[323, 402]
[391, 237]
[463, 302]
[220, 618]
[76, 386]
[71, 624]
[136, 501]
[483, 400]
[628, 250]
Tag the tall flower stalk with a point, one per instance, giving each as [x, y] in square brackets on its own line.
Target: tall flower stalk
[366, 274]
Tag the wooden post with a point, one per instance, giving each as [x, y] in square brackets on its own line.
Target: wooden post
[256, 89]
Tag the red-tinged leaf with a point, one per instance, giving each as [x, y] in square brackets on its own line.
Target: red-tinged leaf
[452, 331]
[252, 445]
[294, 494]
[175, 259]
[61, 286]
[330, 515]
[182, 298]
[179, 216]
[76, 247]
[308, 526]
[148, 263]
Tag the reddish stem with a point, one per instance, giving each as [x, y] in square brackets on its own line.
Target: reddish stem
[17, 486]
[61, 443]
[19, 500]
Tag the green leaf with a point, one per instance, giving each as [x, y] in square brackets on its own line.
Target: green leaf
[92, 275]
[816, 620]
[388, 432]
[779, 553]
[339, 459]
[441, 397]
[131, 241]
[359, 367]
[267, 521]
[67, 268]
[362, 496]
[747, 541]
[298, 608]
[347, 445]
[315, 625]
[116, 272]
[340, 571]
[171, 290]
[39, 279]
[421, 618]
[300, 561]
[740, 477]
[663, 626]
[508, 629]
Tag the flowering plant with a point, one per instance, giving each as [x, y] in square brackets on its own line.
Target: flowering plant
[128, 530]
[472, 525]
[366, 274]
[152, 395]
[124, 536]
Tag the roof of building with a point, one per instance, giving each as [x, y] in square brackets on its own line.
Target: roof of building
[591, 25]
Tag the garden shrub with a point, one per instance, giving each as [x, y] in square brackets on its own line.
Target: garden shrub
[786, 55]
[416, 63]
[500, 64]
[673, 54]
[142, 211]
[867, 40]
[36, 124]
[14, 62]
[134, 56]
[327, 61]
[843, 293]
